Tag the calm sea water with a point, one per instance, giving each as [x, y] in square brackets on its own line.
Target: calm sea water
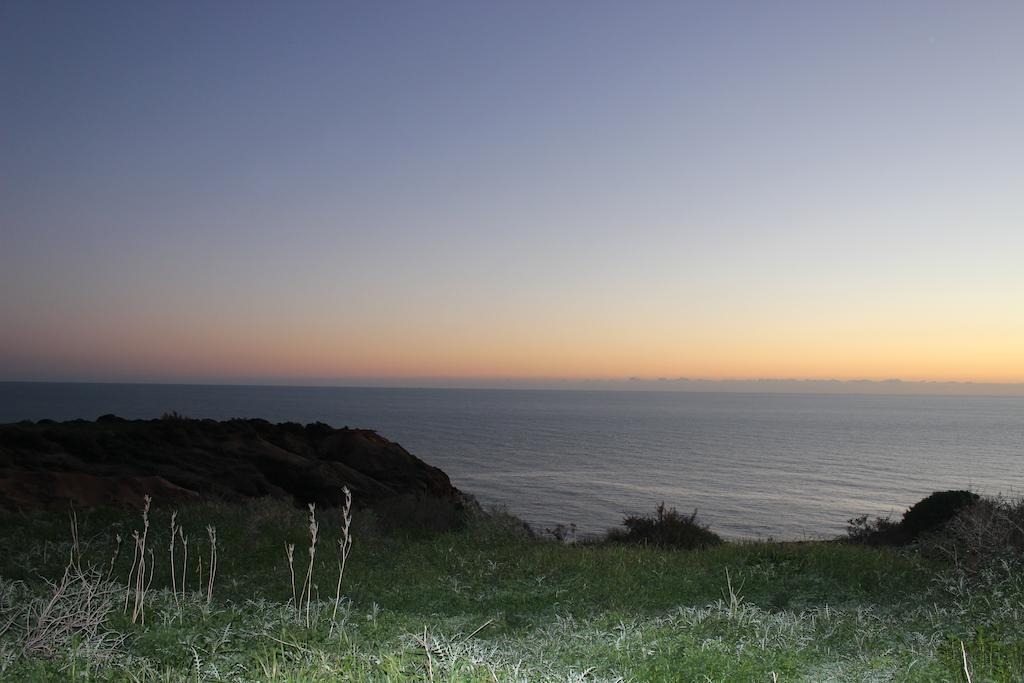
[754, 465]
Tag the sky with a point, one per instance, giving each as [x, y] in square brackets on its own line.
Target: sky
[524, 191]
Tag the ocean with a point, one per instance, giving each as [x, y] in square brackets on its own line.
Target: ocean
[785, 466]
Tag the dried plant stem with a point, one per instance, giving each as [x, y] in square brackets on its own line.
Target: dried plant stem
[211, 531]
[139, 610]
[113, 558]
[344, 547]
[184, 560]
[426, 648]
[135, 559]
[289, 550]
[174, 529]
[76, 551]
[149, 581]
[307, 585]
[77, 609]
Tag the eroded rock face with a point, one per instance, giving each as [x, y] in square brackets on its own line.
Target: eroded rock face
[117, 461]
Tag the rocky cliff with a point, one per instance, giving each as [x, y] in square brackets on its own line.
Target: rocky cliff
[117, 461]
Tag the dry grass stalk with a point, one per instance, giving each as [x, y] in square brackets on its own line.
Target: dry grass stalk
[174, 530]
[212, 533]
[113, 558]
[152, 566]
[75, 548]
[735, 599]
[344, 547]
[131, 571]
[184, 559]
[307, 585]
[289, 550]
[139, 609]
[426, 648]
[967, 671]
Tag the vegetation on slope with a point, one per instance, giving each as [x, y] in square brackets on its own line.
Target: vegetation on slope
[492, 602]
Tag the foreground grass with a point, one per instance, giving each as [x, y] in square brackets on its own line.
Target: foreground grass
[491, 603]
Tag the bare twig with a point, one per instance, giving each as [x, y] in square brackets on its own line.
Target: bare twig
[75, 611]
[479, 628]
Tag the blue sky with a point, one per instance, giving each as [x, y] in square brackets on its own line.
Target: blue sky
[512, 190]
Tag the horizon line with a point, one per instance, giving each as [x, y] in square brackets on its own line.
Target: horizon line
[889, 386]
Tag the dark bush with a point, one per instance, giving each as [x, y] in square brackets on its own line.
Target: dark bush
[926, 516]
[319, 429]
[877, 531]
[666, 528]
[982, 534]
[934, 511]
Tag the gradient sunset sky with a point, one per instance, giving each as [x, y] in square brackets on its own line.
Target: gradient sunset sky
[251, 191]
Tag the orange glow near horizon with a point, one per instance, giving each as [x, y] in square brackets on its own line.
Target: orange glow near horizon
[577, 349]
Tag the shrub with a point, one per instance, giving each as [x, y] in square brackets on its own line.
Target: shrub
[925, 516]
[666, 528]
[877, 531]
[979, 535]
[932, 512]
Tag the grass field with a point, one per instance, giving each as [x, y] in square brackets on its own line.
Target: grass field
[488, 602]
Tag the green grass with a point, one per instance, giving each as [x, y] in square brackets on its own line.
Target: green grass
[491, 603]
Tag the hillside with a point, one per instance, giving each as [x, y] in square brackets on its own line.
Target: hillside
[114, 461]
